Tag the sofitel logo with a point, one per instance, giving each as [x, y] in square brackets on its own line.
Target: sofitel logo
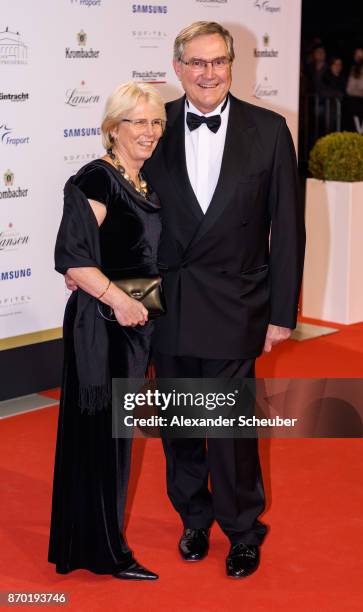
[13, 301]
[81, 53]
[11, 193]
[270, 6]
[149, 39]
[149, 76]
[12, 48]
[264, 90]
[79, 158]
[81, 97]
[266, 52]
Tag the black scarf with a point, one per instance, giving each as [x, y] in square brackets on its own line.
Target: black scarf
[78, 246]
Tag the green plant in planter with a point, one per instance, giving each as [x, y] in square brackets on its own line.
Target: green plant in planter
[337, 157]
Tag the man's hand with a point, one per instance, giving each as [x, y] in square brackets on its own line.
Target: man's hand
[70, 284]
[275, 335]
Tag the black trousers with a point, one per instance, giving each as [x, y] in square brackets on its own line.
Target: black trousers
[237, 497]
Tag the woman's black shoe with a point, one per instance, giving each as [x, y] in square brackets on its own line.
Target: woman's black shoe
[135, 571]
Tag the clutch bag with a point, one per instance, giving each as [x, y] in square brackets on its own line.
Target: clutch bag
[148, 291]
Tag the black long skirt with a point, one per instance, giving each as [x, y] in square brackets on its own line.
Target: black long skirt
[91, 470]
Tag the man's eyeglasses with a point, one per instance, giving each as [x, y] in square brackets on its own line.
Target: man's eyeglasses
[199, 65]
[141, 124]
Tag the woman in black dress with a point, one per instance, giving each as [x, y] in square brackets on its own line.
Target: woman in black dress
[110, 226]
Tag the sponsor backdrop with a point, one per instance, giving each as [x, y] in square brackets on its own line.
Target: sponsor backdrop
[58, 62]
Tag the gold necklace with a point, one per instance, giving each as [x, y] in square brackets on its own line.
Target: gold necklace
[142, 188]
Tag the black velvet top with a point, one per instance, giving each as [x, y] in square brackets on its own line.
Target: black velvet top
[129, 234]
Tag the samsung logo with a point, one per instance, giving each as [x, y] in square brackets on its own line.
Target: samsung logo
[150, 8]
[13, 274]
[76, 132]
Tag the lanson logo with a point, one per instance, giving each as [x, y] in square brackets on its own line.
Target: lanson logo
[11, 240]
[264, 90]
[15, 274]
[81, 53]
[77, 132]
[81, 97]
[160, 9]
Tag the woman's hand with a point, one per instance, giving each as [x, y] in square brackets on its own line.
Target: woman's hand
[70, 284]
[128, 311]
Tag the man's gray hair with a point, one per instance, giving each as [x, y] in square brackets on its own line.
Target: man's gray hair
[200, 28]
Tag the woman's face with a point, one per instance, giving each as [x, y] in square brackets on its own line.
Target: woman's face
[136, 140]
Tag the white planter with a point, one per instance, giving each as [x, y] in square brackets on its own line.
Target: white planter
[333, 273]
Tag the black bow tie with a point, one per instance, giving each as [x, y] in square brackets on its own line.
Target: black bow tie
[195, 121]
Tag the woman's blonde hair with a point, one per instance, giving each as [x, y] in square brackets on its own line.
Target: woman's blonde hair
[123, 100]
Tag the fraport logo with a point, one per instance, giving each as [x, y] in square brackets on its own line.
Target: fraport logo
[87, 3]
[15, 274]
[7, 137]
[150, 9]
[269, 6]
[79, 132]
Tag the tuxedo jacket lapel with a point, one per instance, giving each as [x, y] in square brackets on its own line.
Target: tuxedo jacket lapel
[174, 148]
[236, 155]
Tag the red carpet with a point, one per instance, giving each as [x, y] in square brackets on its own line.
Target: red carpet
[311, 559]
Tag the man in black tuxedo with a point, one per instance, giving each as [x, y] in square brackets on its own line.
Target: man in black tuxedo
[232, 251]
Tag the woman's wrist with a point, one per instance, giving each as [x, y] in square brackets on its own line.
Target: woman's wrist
[99, 297]
[114, 296]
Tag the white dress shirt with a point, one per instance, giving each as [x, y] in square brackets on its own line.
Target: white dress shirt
[204, 152]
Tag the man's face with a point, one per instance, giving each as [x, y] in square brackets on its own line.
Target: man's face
[208, 87]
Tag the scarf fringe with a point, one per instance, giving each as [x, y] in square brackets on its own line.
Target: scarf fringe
[94, 398]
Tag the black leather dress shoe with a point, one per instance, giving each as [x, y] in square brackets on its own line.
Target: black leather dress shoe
[194, 544]
[135, 571]
[242, 560]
